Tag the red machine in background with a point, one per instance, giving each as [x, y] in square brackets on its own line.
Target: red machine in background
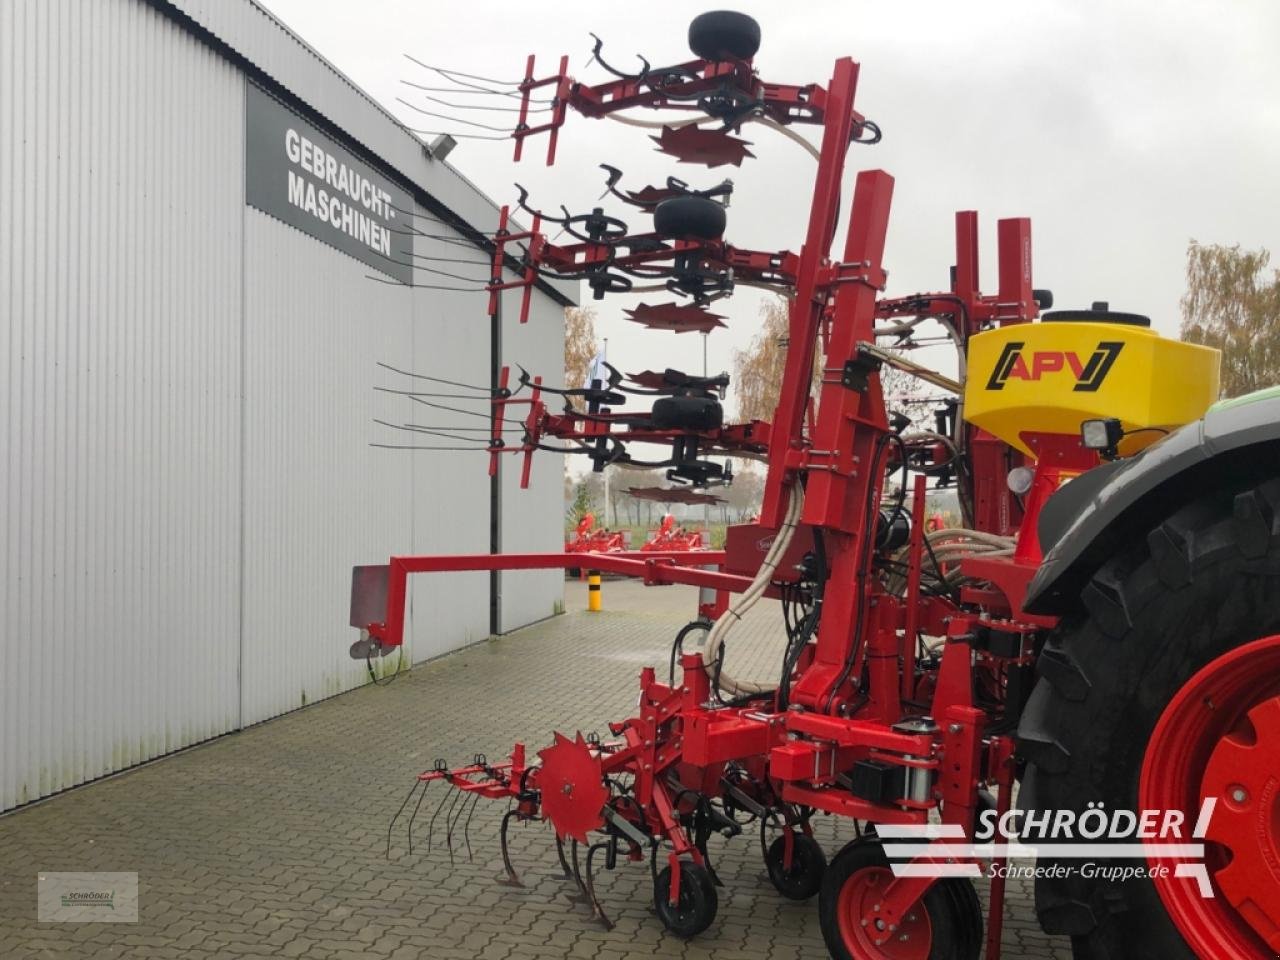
[587, 539]
[907, 654]
[670, 537]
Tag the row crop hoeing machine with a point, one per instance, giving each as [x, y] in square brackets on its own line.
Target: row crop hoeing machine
[1104, 628]
[588, 538]
[670, 536]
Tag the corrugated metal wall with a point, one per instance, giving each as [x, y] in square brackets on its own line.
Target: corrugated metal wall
[529, 521]
[318, 497]
[314, 326]
[121, 187]
[451, 512]
[253, 32]
[187, 407]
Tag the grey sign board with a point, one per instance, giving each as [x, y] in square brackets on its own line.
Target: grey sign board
[299, 175]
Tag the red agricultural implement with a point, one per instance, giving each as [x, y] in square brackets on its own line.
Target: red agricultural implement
[587, 539]
[1104, 628]
[672, 538]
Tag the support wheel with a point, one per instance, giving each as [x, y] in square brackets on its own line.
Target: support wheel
[1160, 691]
[808, 863]
[697, 903]
[945, 925]
[689, 218]
[724, 35]
[687, 413]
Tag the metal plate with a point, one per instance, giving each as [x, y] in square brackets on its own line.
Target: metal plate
[369, 595]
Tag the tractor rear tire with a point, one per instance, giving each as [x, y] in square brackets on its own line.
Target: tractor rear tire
[690, 217]
[720, 35]
[1197, 594]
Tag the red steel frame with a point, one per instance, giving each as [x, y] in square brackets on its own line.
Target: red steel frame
[841, 455]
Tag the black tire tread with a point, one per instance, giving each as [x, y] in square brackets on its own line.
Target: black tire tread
[1203, 581]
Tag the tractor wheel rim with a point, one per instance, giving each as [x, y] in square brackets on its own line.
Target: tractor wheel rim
[1219, 737]
[913, 938]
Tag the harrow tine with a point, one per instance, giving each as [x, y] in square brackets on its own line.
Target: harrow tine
[392, 825]
[512, 879]
[582, 896]
[610, 846]
[431, 827]
[565, 873]
[416, 807]
[466, 827]
[448, 824]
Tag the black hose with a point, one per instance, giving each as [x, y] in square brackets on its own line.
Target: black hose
[810, 624]
[677, 647]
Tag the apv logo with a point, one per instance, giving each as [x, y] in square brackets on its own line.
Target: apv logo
[1089, 372]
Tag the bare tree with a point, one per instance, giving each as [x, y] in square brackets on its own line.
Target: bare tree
[745, 493]
[758, 369]
[579, 344]
[1232, 303]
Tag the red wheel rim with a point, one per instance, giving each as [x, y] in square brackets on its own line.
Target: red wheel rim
[1219, 737]
[911, 940]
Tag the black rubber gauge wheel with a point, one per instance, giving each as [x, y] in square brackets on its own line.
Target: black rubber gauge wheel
[808, 863]
[945, 925]
[687, 413]
[724, 35]
[689, 218]
[696, 906]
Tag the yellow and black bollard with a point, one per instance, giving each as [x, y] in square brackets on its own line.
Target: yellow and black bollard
[593, 591]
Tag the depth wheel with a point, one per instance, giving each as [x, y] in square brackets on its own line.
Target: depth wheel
[697, 904]
[941, 926]
[1161, 691]
[687, 413]
[808, 864]
[724, 35]
[690, 217]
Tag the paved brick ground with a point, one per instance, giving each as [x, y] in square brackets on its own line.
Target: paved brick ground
[270, 842]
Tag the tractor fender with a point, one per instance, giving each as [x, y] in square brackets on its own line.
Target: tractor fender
[1099, 513]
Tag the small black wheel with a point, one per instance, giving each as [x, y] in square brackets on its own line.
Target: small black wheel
[945, 925]
[697, 904]
[687, 413]
[724, 35]
[808, 863]
[689, 218]
[968, 913]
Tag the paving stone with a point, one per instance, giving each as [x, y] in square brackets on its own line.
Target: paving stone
[271, 842]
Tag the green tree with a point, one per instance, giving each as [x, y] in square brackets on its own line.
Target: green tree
[584, 502]
[1232, 303]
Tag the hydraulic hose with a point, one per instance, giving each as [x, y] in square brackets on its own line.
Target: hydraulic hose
[715, 640]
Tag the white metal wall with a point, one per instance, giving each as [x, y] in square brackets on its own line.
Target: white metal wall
[313, 501]
[451, 508]
[121, 186]
[533, 519]
[186, 411]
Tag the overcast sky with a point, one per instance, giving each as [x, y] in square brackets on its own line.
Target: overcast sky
[1123, 129]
